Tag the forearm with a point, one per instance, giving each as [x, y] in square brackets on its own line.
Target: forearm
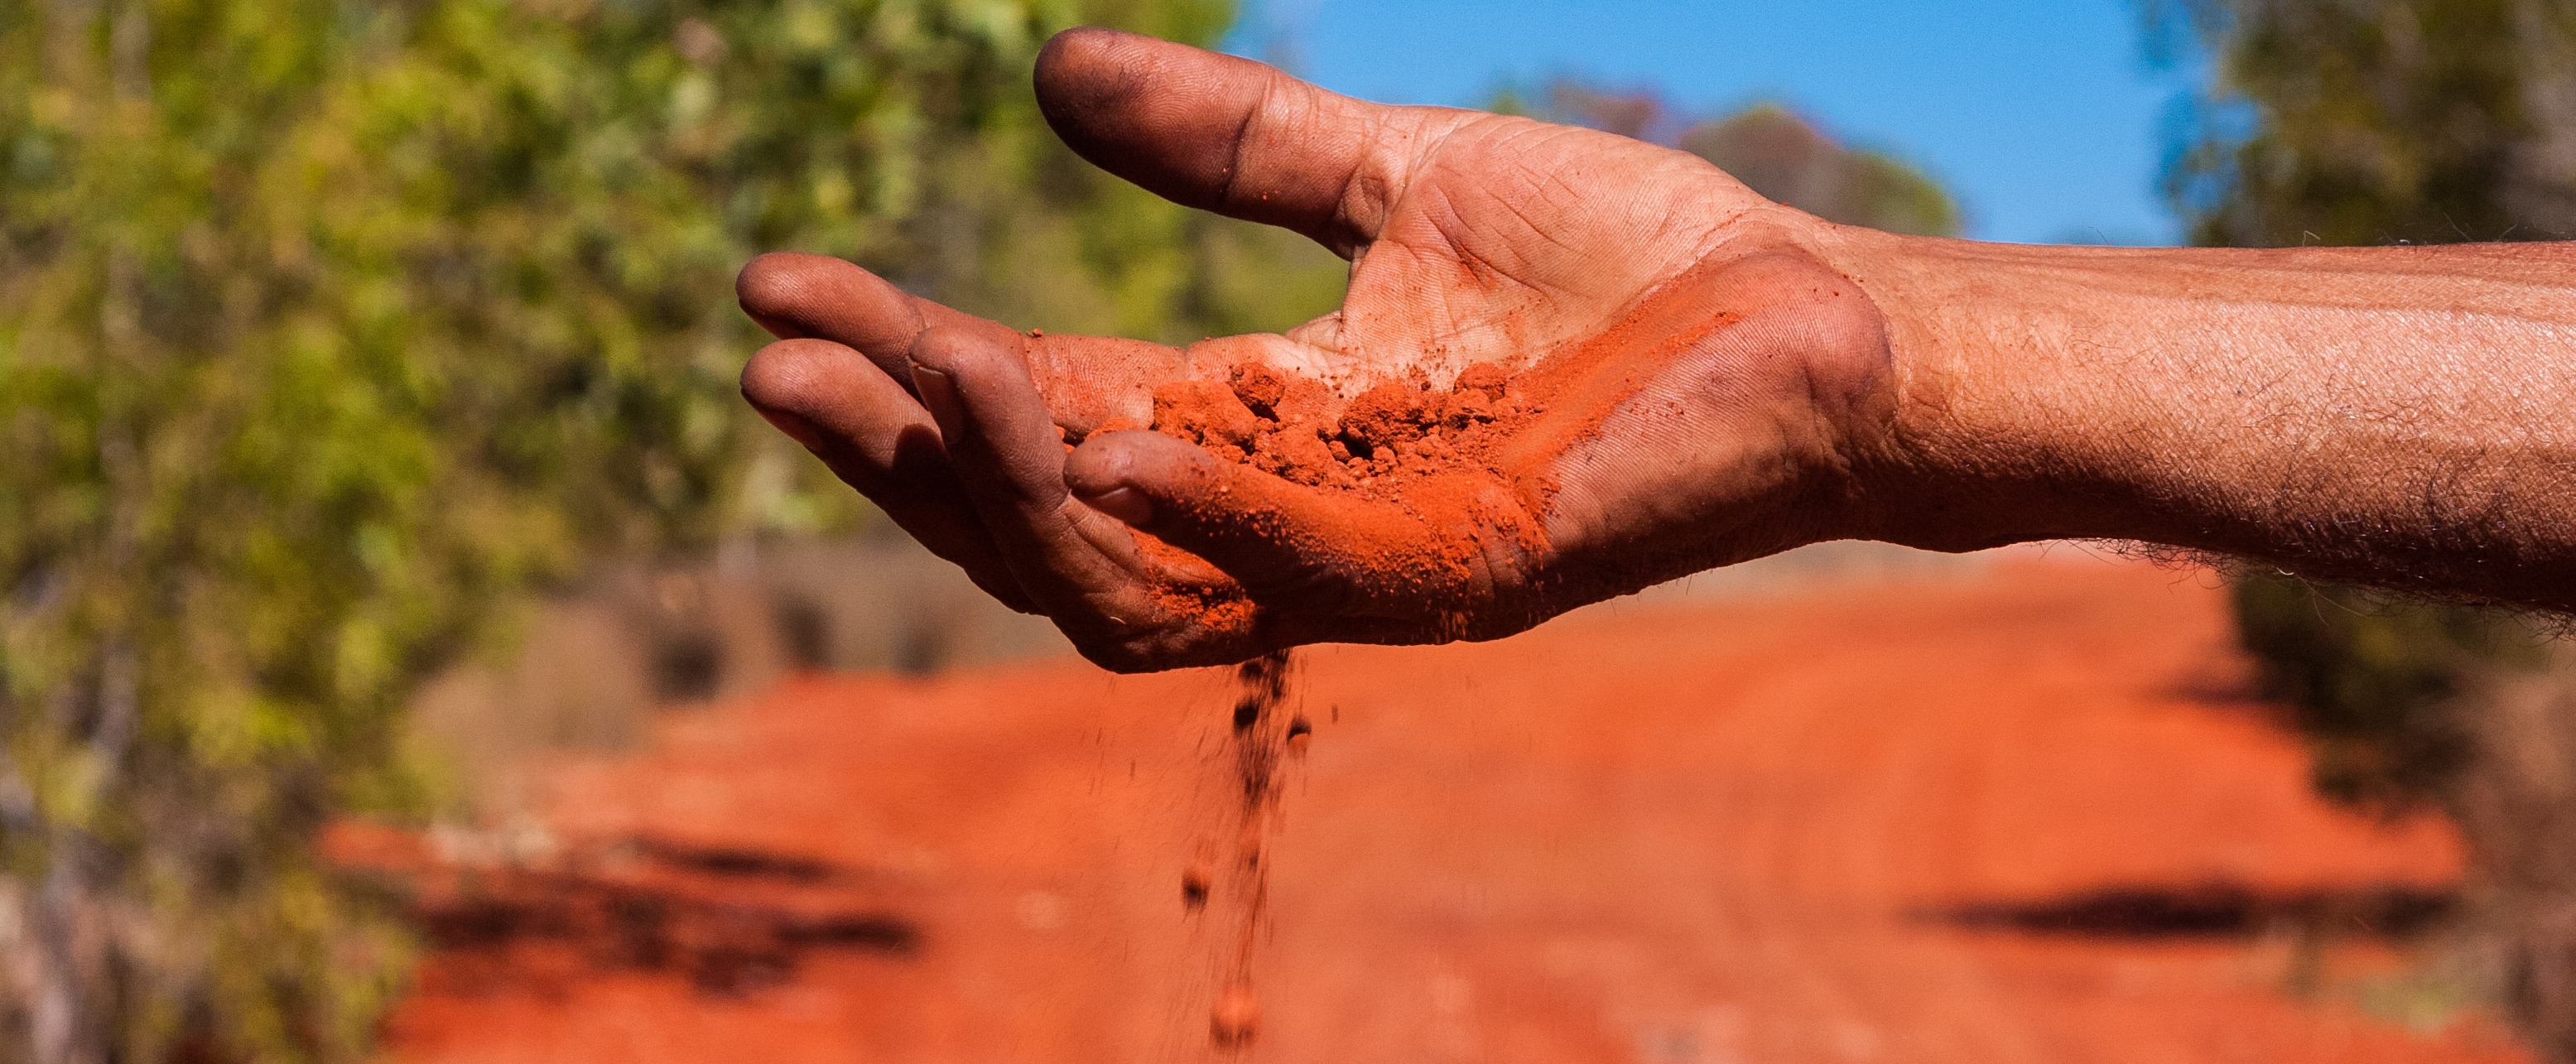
[2398, 416]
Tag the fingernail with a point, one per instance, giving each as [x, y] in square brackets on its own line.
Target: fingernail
[1124, 503]
[796, 428]
[938, 392]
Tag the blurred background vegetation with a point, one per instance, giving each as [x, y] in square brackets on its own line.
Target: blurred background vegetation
[328, 327]
[335, 333]
[1766, 145]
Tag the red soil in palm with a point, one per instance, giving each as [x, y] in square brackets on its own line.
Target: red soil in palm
[2001, 819]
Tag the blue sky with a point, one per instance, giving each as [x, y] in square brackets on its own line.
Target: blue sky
[2042, 116]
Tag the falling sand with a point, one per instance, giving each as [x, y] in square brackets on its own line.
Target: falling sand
[1264, 734]
[1429, 479]
[1400, 436]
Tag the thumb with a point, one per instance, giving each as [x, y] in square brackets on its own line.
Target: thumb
[1229, 135]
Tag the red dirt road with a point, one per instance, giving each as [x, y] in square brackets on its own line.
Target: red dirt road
[1810, 829]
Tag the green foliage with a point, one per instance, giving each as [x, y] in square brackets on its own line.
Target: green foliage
[2372, 681]
[326, 325]
[2377, 122]
[1769, 148]
[1779, 155]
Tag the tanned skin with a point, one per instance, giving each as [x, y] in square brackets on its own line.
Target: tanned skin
[1736, 378]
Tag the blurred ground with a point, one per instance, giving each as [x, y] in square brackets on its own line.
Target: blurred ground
[2003, 813]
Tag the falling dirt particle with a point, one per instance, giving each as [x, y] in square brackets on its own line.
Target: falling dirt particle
[1194, 885]
[1237, 1017]
[1300, 735]
[1037, 334]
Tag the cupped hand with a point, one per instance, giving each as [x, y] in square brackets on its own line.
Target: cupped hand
[1703, 386]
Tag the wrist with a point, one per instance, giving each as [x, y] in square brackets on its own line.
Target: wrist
[1975, 448]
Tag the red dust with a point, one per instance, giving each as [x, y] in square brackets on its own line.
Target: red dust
[1410, 501]
[1384, 440]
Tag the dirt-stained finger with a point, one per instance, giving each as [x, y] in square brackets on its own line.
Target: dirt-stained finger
[796, 295]
[1086, 380]
[1451, 543]
[1009, 456]
[879, 441]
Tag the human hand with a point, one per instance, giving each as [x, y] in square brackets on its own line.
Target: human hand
[1690, 382]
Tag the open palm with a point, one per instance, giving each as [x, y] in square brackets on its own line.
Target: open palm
[1706, 388]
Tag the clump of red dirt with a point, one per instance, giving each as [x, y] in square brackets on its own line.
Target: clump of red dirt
[1383, 437]
[1412, 491]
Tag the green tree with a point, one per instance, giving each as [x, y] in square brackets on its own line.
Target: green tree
[1781, 156]
[2393, 121]
[325, 325]
[1769, 148]
[2376, 122]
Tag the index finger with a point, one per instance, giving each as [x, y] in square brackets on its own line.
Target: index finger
[1085, 380]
